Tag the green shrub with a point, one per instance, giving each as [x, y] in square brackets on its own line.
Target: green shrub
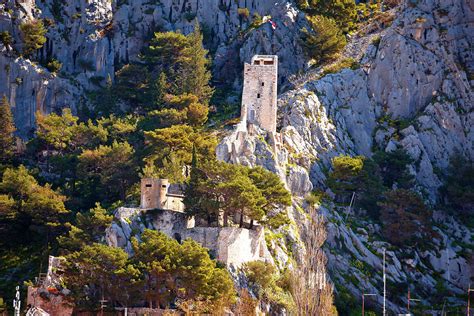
[405, 218]
[376, 41]
[316, 197]
[6, 38]
[33, 34]
[343, 12]
[344, 63]
[326, 42]
[280, 219]
[394, 167]
[458, 188]
[244, 13]
[54, 66]
[267, 284]
[256, 19]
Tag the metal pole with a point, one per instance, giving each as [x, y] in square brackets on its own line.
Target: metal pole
[363, 312]
[384, 284]
[408, 304]
[469, 299]
[17, 302]
[449, 272]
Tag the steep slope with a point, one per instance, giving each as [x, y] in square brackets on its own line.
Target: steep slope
[94, 39]
[411, 89]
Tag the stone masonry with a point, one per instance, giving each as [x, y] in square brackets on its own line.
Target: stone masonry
[160, 194]
[259, 97]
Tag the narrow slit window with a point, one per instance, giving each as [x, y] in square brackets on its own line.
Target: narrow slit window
[263, 84]
[148, 185]
[258, 95]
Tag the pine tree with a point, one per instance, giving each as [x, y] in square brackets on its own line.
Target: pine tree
[343, 12]
[326, 42]
[7, 128]
[33, 36]
[191, 199]
[194, 74]
[159, 89]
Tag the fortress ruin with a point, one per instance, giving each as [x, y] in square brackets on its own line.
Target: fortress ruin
[259, 96]
[160, 194]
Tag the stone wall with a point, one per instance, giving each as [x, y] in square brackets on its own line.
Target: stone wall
[230, 245]
[259, 96]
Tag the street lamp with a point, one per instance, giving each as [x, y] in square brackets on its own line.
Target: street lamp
[411, 299]
[469, 290]
[363, 301]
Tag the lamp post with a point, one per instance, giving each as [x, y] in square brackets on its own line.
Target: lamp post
[17, 302]
[363, 301]
[469, 290]
[409, 300]
[384, 284]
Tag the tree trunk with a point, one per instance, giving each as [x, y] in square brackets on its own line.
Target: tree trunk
[241, 219]
[251, 223]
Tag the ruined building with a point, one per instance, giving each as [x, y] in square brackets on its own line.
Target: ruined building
[259, 96]
[160, 194]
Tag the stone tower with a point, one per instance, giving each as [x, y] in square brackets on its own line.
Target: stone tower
[259, 96]
[153, 193]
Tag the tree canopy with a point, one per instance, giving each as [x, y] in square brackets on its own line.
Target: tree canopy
[325, 41]
[217, 188]
[33, 34]
[185, 271]
[405, 217]
[7, 128]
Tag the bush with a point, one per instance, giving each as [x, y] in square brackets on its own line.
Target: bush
[343, 12]
[6, 38]
[345, 63]
[394, 167]
[316, 197]
[404, 217]
[458, 188]
[265, 281]
[54, 66]
[256, 19]
[343, 177]
[244, 13]
[326, 42]
[33, 34]
[358, 175]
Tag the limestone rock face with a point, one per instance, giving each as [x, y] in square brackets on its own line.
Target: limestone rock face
[92, 39]
[424, 49]
[30, 88]
[412, 89]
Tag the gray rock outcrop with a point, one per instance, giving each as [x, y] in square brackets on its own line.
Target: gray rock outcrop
[413, 88]
[92, 39]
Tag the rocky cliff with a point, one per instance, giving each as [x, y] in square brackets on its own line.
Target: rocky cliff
[415, 70]
[92, 39]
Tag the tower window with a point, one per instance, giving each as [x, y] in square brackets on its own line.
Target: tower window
[258, 95]
[263, 84]
[148, 185]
